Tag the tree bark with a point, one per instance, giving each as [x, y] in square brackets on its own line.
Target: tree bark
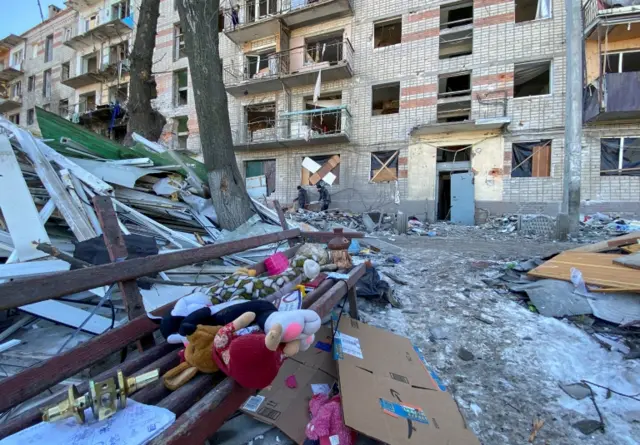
[143, 119]
[199, 20]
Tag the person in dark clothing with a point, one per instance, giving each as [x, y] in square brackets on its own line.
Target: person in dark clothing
[235, 20]
[325, 197]
[303, 198]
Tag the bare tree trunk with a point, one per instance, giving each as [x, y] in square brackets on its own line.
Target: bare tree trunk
[199, 20]
[143, 119]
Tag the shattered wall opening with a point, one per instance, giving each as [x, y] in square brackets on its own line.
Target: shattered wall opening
[454, 97]
[325, 119]
[387, 32]
[181, 87]
[384, 166]
[385, 99]
[261, 121]
[528, 10]
[182, 131]
[179, 46]
[457, 14]
[532, 79]
[620, 156]
[260, 177]
[531, 159]
[324, 48]
[262, 64]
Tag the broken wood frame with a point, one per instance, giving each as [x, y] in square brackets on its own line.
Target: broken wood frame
[389, 175]
[196, 421]
[541, 164]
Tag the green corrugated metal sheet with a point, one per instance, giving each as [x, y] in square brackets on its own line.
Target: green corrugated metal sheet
[55, 127]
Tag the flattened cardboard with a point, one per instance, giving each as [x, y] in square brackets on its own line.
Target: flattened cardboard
[286, 408]
[391, 370]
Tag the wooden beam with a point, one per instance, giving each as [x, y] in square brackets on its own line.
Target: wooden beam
[325, 237]
[325, 304]
[353, 303]
[117, 249]
[283, 220]
[32, 290]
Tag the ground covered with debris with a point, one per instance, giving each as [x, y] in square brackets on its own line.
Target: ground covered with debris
[503, 362]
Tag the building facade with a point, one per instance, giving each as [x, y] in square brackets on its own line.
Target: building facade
[449, 110]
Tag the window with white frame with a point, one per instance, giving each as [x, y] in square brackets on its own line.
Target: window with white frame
[16, 89]
[620, 156]
[16, 58]
[621, 62]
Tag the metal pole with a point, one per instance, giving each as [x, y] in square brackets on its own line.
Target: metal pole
[568, 222]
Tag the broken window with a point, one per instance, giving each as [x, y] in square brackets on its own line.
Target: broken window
[260, 177]
[455, 43]
[120, 10]
[454, 85]
[454, 98]
[181, 87]
[385, 99]
[182, 131]
[620, 156]
[455, 15]
[16, 89]
[259, 9]
[118, 52]
[528, 10]
[63, 108]
[384, 166]
[87, 102]
[31, 83]
[90, 63]
[531, 159]
[622, 62]
[178, 43]
[454, 153]
[46, 84]
[15, 118]
[325, 117]
[31, 116]
[261, 122]
[387, 33]
[532, 79]
[48, 49]
[118, 93]
[325, 48]
[263, 64]
[324, 168]
[64, 71]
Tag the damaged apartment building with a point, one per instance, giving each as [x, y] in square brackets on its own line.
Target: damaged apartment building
[443, 109]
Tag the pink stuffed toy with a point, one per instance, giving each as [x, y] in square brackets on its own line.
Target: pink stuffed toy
[326, 421]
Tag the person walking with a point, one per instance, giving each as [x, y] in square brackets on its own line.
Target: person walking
[325, 197]
[303, 198]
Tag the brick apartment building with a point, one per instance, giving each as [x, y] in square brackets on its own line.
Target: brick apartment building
[438, 108]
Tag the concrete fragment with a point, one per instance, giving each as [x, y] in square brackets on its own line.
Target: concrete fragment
[465, 354]
[578, 391]
[588, 426]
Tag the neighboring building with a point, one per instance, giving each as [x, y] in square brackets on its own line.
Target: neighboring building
[449, 109]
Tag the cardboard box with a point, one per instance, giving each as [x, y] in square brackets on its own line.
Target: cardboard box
[389, 393]
[286, 408]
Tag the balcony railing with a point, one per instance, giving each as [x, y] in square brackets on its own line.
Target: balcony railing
[310, 127]
[107, 28]
[610, 11]
[294, 67]
[259, 15]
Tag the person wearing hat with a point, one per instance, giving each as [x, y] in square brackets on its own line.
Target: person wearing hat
[303, 198]
[325, 197]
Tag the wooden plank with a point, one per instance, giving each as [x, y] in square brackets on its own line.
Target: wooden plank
[632, 248]
[596, 268]
[619, 242]
[283, 220]
[39, 289]
[325, 237]
[541, 161]
[33, 381]
[151, 359]
[326, 168]
[353, 303]
[117, 249]
[631, 261]
[18, 209]
[603, 246]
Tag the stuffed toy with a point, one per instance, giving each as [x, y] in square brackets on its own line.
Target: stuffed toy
[197, 358]
[252, 360]
[326, 421]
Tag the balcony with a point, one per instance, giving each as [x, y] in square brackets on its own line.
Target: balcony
[10, 72]
[107, 73]
[292, 68]
[81, 4]
[257, 19]
[10, 41]
[295, 129]
[614, 97]
[103, 32]
[604, 13]
[8, 103]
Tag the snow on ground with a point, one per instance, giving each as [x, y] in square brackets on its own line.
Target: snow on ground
[519, 357]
